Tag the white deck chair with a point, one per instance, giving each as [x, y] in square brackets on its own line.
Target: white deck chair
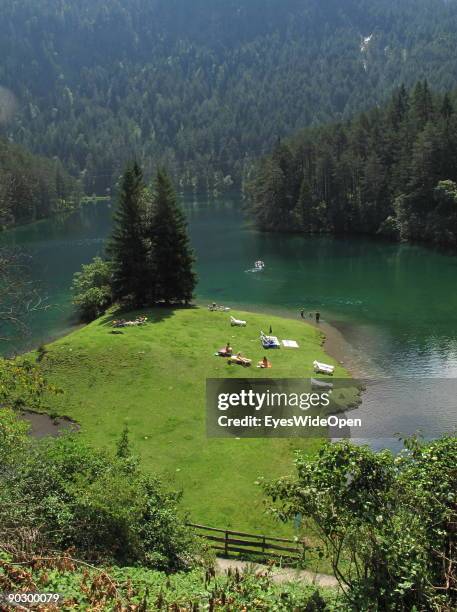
[237, 322]
[323, 368]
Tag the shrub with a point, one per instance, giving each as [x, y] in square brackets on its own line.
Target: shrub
[92, 289]
[13, 438]
[143, 590]
[99, 505]
[388, 523]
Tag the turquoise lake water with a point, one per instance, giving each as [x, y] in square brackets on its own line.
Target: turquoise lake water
[395, 305]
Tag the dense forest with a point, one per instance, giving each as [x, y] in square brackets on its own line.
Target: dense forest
[32, 187]
[205, 86]
[391, 171]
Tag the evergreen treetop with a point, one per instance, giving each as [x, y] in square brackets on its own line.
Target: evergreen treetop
[171, 256]
[127, 248]
[152, 260]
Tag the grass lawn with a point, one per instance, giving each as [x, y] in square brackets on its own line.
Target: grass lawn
[153, 379]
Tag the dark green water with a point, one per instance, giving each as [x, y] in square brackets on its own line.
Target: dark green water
[396, 305]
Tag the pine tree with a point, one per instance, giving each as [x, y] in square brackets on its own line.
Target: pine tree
[127, 248]
[447, 108]
[171, 276]
[425, 162]
[373, 194]
[399, 106]
[422, 103]
[269, 196]
[277, 190]
[304, 206]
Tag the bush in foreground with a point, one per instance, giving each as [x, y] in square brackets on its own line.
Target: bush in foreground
[62, 495]
[387, 522]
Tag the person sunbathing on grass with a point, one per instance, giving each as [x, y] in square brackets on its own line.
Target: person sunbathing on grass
[120, 323]
[227, 351]
[264, 363]
[242, 360]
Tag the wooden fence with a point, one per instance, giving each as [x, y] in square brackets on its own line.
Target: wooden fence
[226, 541]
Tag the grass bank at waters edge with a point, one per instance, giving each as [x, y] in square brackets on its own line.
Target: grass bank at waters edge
[152, 378]
[334, 341]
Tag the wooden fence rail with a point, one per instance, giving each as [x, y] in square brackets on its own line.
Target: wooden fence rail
[227, 541]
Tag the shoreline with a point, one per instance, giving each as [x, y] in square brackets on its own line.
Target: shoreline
[339, 348]
[49, 339]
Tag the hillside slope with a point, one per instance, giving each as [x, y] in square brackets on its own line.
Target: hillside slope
[206, 85]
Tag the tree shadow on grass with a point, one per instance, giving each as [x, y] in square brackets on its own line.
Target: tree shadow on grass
[154, 314]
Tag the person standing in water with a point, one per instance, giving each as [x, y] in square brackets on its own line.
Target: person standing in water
[318, 317]
[302, 313]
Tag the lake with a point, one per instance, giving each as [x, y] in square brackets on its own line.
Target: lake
[395, 306]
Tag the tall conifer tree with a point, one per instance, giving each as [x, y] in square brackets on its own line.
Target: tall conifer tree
[127, 247]
[171, 275]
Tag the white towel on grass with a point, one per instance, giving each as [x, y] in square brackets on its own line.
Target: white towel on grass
[290, 343]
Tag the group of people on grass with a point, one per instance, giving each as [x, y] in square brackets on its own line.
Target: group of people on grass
[215, 307]
[316, 315]
[227, 351]
[140, 320]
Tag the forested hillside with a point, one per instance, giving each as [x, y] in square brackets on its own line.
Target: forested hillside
[32, 187]
[391, 171]
[204, 86]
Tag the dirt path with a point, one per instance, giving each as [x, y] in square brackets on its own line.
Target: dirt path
[279, 575]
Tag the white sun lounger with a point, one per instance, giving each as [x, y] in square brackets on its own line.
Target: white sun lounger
[323, 368]
[237, 322]
[269, 341]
